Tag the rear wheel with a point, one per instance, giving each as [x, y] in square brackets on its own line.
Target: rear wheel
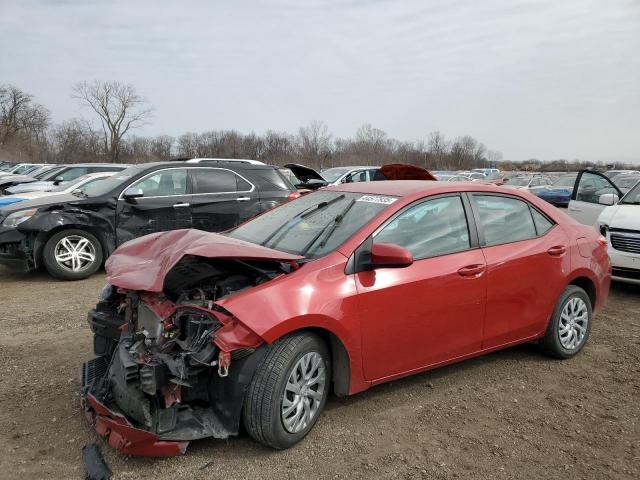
[288, 391]
[72, 255]
[570, 324]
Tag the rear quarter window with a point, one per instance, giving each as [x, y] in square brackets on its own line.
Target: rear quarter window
[269, 179]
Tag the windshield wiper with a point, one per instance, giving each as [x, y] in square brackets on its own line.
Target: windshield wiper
[307, 212]
[329, 228]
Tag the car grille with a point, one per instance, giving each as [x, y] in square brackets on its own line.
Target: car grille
[629, 273]
[625, 240]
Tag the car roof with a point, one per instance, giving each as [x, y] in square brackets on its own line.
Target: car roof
[405, 188]
[117, 165]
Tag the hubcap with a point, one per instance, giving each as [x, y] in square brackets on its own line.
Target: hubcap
[303, 392]
[573, 323]
[74, 253]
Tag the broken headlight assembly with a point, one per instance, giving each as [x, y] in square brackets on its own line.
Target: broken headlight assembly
[106, 293]
[16, 218]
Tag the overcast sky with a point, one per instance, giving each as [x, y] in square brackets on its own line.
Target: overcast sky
[544, 79]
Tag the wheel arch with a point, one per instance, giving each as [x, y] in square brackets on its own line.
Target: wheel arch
[588, 285]
[340, 362]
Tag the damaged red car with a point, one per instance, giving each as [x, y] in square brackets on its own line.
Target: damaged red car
[351, 286]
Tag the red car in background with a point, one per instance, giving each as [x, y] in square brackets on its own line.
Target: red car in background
[342, 289]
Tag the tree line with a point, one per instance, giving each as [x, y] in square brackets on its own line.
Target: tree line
[116, 110]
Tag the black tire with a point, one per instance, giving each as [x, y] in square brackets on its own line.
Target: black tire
[62, 272]
[262, 413]
[551, 343]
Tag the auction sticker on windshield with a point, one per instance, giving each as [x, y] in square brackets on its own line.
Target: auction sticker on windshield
[377, 199]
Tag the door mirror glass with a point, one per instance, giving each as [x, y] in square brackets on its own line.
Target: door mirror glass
[389, 255]
[608, 199]
[133, 192]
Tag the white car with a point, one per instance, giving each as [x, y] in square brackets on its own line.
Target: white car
[596, 201]
[79, 183]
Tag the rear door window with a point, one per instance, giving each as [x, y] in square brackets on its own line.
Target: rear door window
[504, 219]
[215, 180]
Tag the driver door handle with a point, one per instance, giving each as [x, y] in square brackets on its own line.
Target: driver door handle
[472, 271]
[180, 205]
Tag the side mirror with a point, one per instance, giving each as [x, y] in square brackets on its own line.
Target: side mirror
[389, 255]
[132, 193]
[608, 199]
[58, 180]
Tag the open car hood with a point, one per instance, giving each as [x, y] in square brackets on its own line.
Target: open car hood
[405, 171]
[303, 173]
[143, 263]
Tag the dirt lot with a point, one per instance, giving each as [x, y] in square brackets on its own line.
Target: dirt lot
[513, 414]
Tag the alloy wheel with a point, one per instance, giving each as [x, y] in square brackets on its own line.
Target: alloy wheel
[574, 320]
[74, 253]
[303, 392]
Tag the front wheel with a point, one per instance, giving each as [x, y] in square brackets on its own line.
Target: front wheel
[72, 255]
[570, 324]
[288, 391]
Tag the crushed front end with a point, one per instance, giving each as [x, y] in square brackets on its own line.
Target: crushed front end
[173, 366]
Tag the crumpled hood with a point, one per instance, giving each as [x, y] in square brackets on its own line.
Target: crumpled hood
[621, 216]
[143, 263]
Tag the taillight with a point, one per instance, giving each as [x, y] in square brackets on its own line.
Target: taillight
[293, 195]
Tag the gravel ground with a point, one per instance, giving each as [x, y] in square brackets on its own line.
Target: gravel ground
[511, 414]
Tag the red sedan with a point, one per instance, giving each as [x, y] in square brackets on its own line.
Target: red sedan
[345, 288]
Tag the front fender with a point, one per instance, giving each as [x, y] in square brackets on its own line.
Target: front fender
[318, 296]
[46, 223]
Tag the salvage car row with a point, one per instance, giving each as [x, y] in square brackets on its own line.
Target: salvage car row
[338, 289]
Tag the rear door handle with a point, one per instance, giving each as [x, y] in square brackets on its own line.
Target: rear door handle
[472, 270]
[180, 205]
[243, 199]
[557, 251]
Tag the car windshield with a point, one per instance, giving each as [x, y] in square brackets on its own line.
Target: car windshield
[626, 182]
[632, 197]
[315, 224]
[565, 181]
[520, 181]
[333, 174]
[96, 189]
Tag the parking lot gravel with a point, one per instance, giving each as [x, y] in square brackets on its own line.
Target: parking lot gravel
[511, 414]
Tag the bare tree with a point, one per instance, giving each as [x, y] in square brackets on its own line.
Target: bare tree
[19, 115]
[314, 143]
[437, 148]
[119, 107]
[74, 141]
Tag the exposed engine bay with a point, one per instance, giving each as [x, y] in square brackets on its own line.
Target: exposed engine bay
[175, 364]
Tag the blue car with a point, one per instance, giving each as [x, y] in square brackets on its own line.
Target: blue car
[559, 192]
[4, 201]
